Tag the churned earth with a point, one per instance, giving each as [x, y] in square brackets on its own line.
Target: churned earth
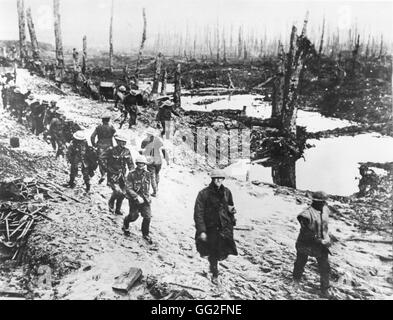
[86, 250]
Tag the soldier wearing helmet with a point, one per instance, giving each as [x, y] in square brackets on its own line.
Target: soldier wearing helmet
[77, 157]
[104, 134]
[37, 114]
[214, 221]
[314, 240]
[120, 94]
[56, 131]
[138, 194]
[117, 160]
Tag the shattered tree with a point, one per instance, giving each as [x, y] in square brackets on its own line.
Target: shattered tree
[22, 31]
[164, 82]
[157, 74]
[111, 40]
[84, 55]
[33, 36]
[300, 49]
[138, 63]
[58, 39]
[177, 92]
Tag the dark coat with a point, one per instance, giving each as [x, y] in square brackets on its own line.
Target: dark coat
[314, 227]
[212, 216]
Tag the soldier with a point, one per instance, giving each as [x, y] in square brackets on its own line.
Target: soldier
[214, 221]
[314, 240]
[104, 132]
[152, 147]
[56, 131]
[164, 116]
[138, 194]
[19, 103]
[117, 160]
[119, 97]
[77, 157]
[4, 95]
[37, 113]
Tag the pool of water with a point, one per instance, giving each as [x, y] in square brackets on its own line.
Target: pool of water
[332, 165]
[256, 107]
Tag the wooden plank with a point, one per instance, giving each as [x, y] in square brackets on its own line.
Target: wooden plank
[125, 281]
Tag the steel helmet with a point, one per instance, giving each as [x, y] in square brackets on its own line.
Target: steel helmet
[106, 115]
[141, 159]
[120, 137]
[319, 196]
[151, 131]
[122, 88]
[79, 135]
[217, 173]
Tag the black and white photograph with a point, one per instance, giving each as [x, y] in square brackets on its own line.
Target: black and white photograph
[210, 150]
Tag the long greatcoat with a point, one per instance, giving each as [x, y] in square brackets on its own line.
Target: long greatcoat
[212, 216]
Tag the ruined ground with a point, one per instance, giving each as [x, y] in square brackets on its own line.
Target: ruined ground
[86, 249]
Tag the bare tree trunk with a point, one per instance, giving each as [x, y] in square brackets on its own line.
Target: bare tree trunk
[22, 32]
[177, 93]
[218, 42]
[368, 47]
[381, 48]
[111, 39]
[59, 42]
[321, 42]
[278, 85]
[138, 63]
[299, 49]
[33, 37]
[284, 174]
[240, 44]
[84, 55]
[355, 53]
[164, 82]
[157, 74]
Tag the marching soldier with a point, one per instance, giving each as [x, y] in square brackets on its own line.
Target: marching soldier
[164, 116]
[138, 194]
[314, 240]
[56, 131]
[214, 221]
[77, 157]
[19, 103]
[117, 160]
[104, 134]
[37, 113]
[153, 148]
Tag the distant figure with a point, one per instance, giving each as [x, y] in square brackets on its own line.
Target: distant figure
[104, 134]
[164, 116]
[153, 148]
[138, 194]
[214, 221]
[77, 157]
[56, 131]
[314, 240]
[37, 113]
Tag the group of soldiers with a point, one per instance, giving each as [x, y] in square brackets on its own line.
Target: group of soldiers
[214, 216]
[126, 179]
[214, 210]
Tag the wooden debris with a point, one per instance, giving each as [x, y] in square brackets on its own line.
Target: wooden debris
[124, 282]
[370, 240]
[185, 286]
[244, 228]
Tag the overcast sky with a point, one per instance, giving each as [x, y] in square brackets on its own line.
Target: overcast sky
[90, 17]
